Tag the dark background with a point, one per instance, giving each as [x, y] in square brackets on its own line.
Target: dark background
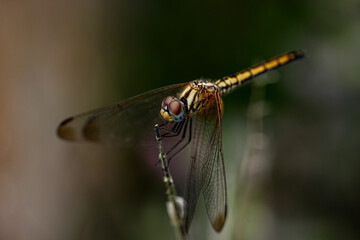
[292, 174]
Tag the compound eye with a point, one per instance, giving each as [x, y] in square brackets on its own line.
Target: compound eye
[175, 107]
[166, 101]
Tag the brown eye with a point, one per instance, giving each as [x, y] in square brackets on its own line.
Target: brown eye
[175, 107]
[166, 101]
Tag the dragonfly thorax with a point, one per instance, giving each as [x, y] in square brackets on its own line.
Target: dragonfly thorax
[198, 94]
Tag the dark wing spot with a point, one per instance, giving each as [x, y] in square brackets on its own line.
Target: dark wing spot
[65, 131]
[219, 222]
[66, 121]
[91, 130]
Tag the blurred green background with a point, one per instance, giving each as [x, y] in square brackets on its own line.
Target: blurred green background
[293, 174]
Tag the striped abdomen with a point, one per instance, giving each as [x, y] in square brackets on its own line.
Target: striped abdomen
[229, 83]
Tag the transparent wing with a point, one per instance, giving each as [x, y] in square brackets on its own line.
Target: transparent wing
[207, 173]
[120, 123]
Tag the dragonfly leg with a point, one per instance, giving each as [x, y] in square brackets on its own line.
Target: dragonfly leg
[181, 139]
[174, 132]
[184, 146]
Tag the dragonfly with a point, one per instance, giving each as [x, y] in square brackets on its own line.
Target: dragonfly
[188, 112]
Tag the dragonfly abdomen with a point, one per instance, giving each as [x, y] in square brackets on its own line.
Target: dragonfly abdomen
[226, 84]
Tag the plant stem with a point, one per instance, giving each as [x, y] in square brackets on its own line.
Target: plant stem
[174, 207]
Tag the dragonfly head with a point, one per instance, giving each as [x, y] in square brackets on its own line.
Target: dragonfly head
[172, 109]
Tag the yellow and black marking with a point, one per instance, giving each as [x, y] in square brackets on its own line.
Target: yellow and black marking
[228, 83]
[198, 94]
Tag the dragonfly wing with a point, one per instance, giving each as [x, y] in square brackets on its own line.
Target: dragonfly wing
[120, 123]
[207, 172]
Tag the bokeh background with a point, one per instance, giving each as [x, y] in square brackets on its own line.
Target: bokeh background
[293, 167]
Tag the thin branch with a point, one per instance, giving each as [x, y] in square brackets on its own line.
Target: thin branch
[175, 204]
